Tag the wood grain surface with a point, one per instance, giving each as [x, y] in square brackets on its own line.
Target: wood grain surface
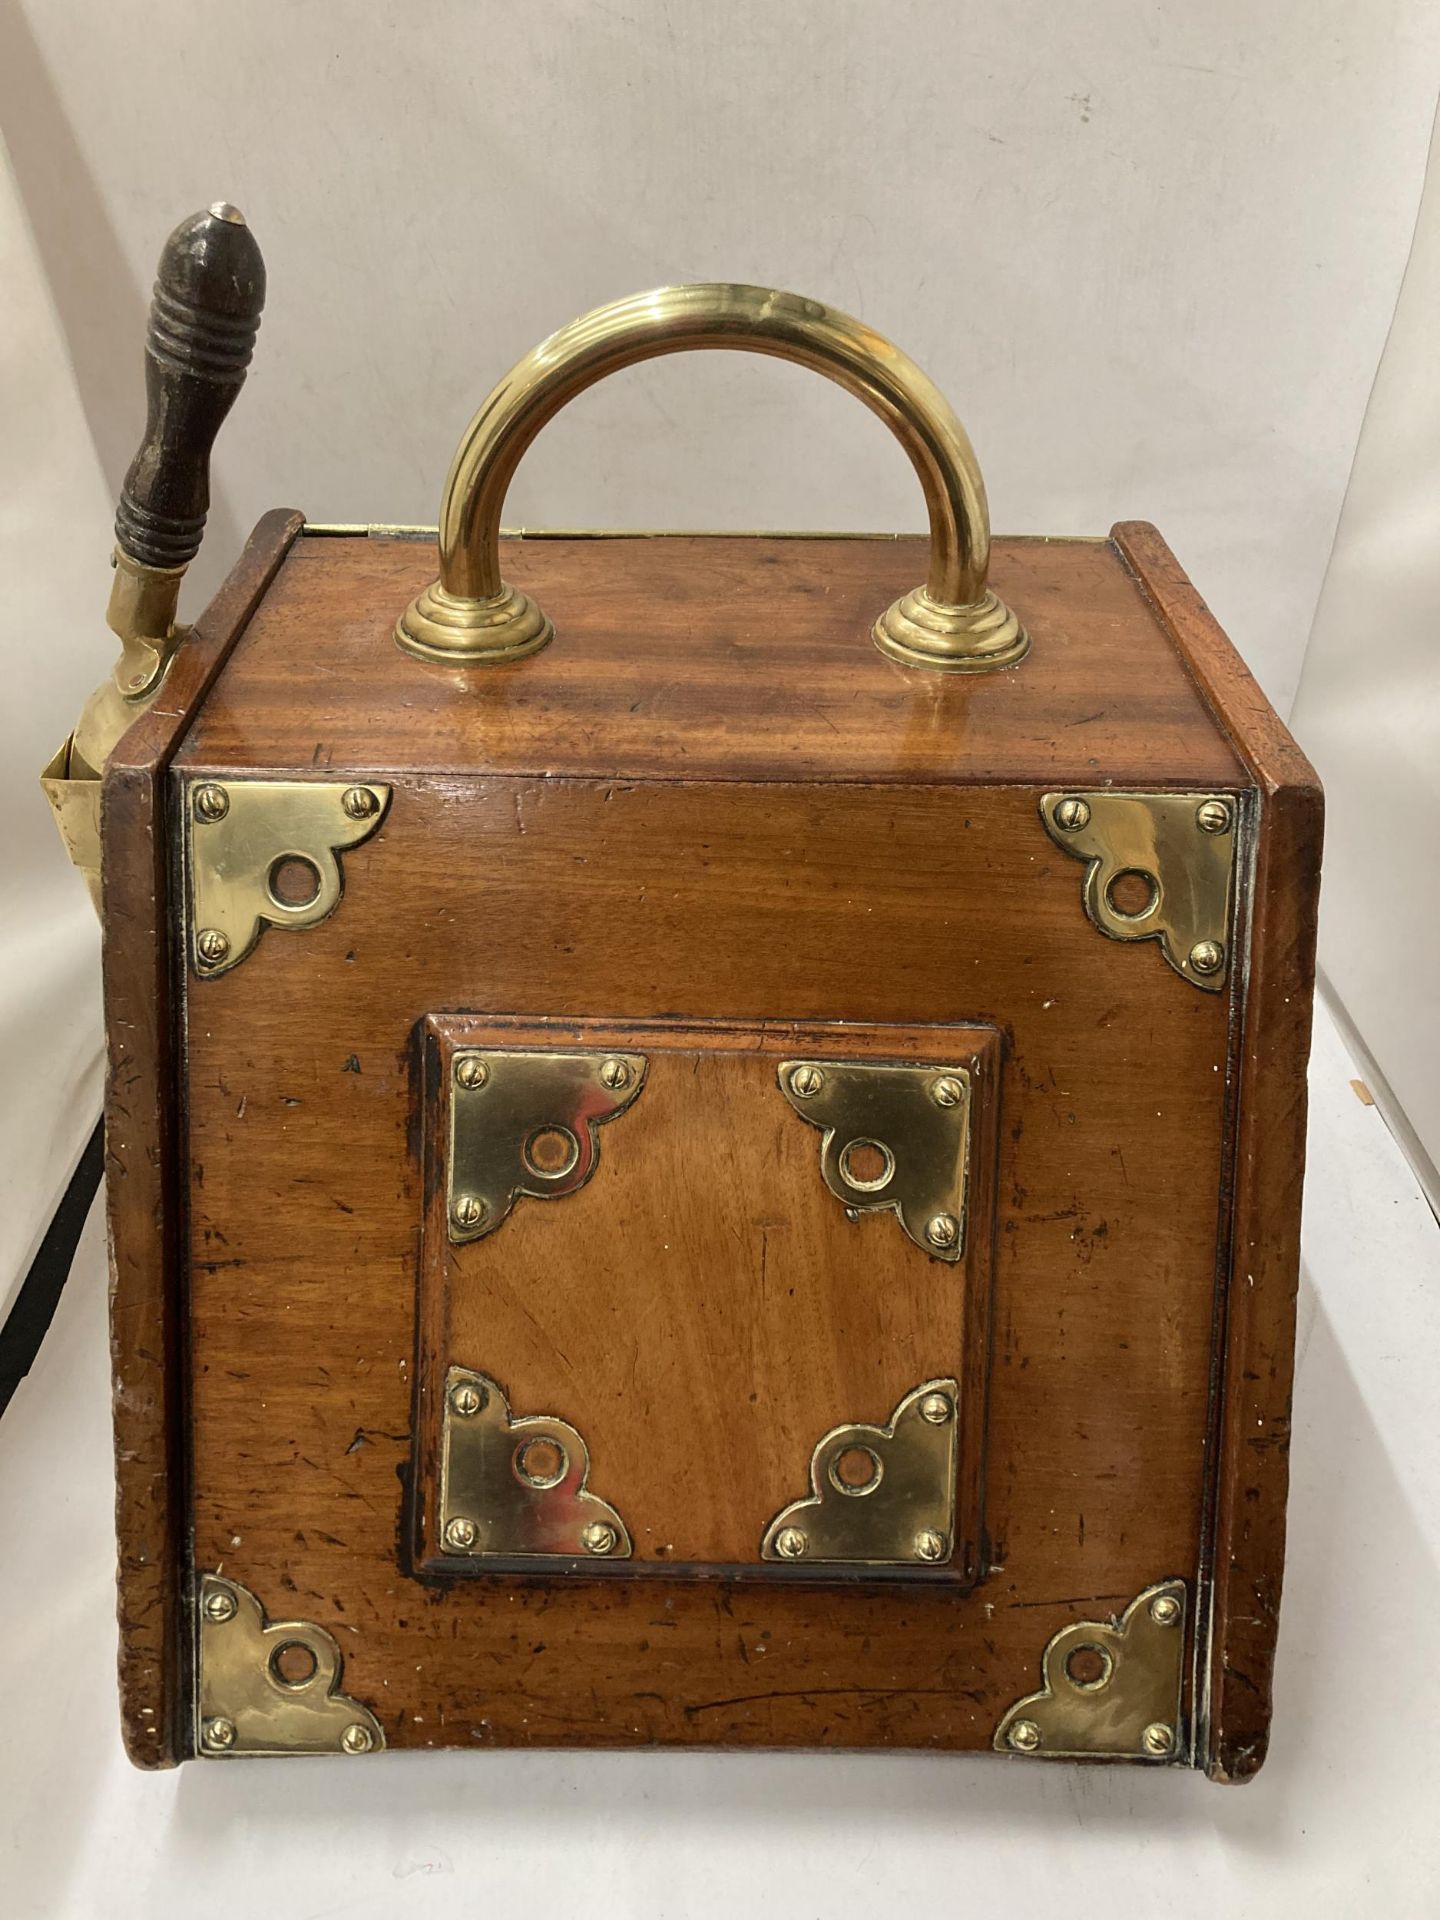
[702, 1308]
[731, 813]
[1262, 1268]
[144, 1167]
[678, 657]
[599, 901]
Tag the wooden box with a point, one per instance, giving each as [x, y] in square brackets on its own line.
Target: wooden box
[706, 1183]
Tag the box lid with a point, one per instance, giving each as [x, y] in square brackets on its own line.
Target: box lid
[714, 657]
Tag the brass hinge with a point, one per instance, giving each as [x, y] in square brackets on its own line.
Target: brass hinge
[1160, 866]
[517, 1488]
[1111, 1688]
[523, 1124]
[270, 1686]
[895, 1138]
[266, 853]
[880, 1496]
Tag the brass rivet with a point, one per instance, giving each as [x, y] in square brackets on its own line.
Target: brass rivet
[219, 1734]
[790, 1543]
[357, 1738]
[219, 1604]
[943, 1230]
[598, 1537]
[466, 1399]
[211, 945]
[929, 1545]
[947, 1092]
[935, 1408]
[460, 1534]
[1165, 1610]
[359, 803]
[1207, 956]
[135, 682]
[615, 1074]
[805, 1081]
[1158, 1738]
[471, 1071]
[1024, 1736]
[1070, 816]
[1213, 816]
[468, 1210]
[212, 802]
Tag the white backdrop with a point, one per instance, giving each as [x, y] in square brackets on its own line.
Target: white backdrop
[1150, 251]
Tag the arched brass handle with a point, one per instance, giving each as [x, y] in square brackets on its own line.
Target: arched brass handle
[953, 621]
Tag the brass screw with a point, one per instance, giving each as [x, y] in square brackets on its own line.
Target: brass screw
[935, 1408]
[1070, 816]
[790, 1543]
[219, 1734]
[1212, 816]
[1165, 1610]
[357, 1738]
[943, 1230]
[598, 1537]
[947, 1092]
[929, 1545]
[615, 1074]
[1024, 1736]
[466, 1399]
[468, 1210]
[1158, 1738]
[805, 1081]
[211, 945]
[471, 1071]
[211, 802]
[1207, 956]
[359, 803]
[460, 1534]
[219, 1604]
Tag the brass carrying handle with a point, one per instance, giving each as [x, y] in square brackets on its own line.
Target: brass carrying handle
[470, 615]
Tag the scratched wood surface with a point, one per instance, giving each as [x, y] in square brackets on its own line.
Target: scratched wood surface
[590, 900]
[702, 1308]
[143, 1168]
[843, 840]
[1261, 1272]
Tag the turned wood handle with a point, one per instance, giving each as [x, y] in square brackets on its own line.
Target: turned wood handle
[204, 316]
[953, 621]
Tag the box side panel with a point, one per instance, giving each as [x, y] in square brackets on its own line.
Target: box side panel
[144, 1200]
[611, 901]
[1258, 1308]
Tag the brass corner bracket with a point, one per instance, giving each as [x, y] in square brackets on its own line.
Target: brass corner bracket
[1161, 866]
[1112, 1689]
[517, 1488]
[266, 853]
[895, 1137]
[880, 1496]
[523, 1124]
[270, 1686]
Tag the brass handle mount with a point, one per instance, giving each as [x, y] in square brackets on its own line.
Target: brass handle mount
[953, 622]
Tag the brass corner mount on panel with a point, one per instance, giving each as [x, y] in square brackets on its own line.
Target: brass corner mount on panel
[270, 1686]
[266, 853]
[523, 1124]
[1112, 1689]
[1160, 866]
[517, 1488]
[880, 1496]
[895, 1137]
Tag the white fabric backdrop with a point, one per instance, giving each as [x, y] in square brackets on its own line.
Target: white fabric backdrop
[1368, 712]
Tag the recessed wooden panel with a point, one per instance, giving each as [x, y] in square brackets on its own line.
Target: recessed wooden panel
[703, 1310]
